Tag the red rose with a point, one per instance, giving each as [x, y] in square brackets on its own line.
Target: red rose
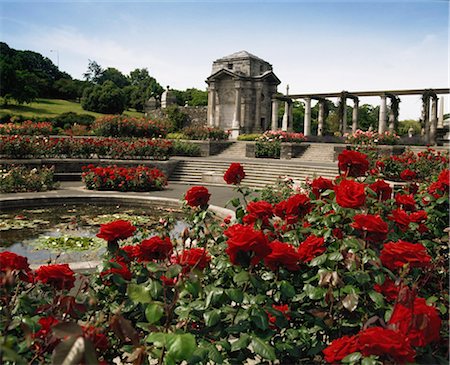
[197, 196]
[350, 194]
[311, 248]
[99, 340]
[260, 210]
[444, 177]
[117, 230]
[194, 258]
[337, 233]
[408, 175]
[132, 251]
[124, 272]
[246, 246]
[396, 254]
[382, 189]
[406, 202]
[9, 261]
[168, 281]
[320, 184]
[353, 163]
[418, 217]
[235, 174]
[340, 348]
[294, 208]
[420, 323]
[46, 324]
[155, 248]
[284, 309]
[59, 276]
[400, 217]
[388, 289]
[373, 226]
[283, 255]
[380, 341]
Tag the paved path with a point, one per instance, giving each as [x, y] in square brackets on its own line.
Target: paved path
[220, 195]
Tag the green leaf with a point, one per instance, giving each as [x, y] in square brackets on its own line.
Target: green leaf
[214, 355]
[352, 358]
[287, 290]
[139, 293]
[259, 318]
[212, 317]
[369, 361]
[377, 298]
[235, 295]
[319, 260]
[335, 256]
[158, 339]
[154, 312]
[240, 213]
[241, 343]
[263, 349]
[180, 346]
[241, 277]
[156, 289]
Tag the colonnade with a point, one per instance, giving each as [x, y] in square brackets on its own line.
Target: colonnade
[387, 119]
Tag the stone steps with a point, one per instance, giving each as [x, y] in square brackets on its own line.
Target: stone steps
[258, 174]
[318, 152]
[236, 149]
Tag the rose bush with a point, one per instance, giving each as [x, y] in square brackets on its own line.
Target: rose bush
[140, 178]
[316, 281]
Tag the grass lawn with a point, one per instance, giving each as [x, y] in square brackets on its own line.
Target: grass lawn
[51, 108]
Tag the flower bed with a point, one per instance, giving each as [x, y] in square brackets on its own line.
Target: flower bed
[371, 138]
[271, 136]
[17, 179]
[140, 178]
[41, 147]
[268, 145]
[341, 271]
[121, 126]
[27, 127]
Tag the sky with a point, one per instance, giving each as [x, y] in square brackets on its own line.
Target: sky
[314, 46]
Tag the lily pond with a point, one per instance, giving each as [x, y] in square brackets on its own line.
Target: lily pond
[63, 234]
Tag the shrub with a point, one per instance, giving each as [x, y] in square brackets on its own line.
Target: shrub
[177, 118]
[203, 133]
[66, 120]
[106, 98]
[249, 137]
[121, 126]
[268, 149]
[140, 178]
[176, 135]
[40, 147]
[183, 148]
[27, 127]
[306, 278]
[18, 179]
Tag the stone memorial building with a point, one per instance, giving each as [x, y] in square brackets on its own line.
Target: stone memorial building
[240, 91]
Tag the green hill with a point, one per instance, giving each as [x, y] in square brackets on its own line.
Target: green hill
[51, 108]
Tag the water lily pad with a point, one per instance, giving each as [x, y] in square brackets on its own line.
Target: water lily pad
[69, 243]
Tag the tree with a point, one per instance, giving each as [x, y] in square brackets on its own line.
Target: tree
[142, 87]
[106, 98]
[93, 73]
[114, 75]
[368, 117]
[70, 89]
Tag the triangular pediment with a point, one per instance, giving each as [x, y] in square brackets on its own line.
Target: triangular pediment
[269, 76]
[223, 74]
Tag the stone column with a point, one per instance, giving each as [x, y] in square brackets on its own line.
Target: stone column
[257, 122]
[426, 119]
[343, 121]
[285, 123]
[382, 116]
[307, 118]
[235, 125]
[441, 113]
[274, 114]
[433, 121]
[211, 106]
[321, 117]
[291, 117]
[355, 115]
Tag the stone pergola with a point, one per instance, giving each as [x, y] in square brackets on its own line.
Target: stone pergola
[430, 120]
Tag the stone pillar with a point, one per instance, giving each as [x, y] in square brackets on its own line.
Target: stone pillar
[212, 106]
[433, 121]
[382, 116]
[285, 123]
[343, 121]
[441, 113]
[257, 122]
[426, 119]
[235, 125]
[307, 118]
[291, 117]
[321, 117]
[274, 114]
[355, 115]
